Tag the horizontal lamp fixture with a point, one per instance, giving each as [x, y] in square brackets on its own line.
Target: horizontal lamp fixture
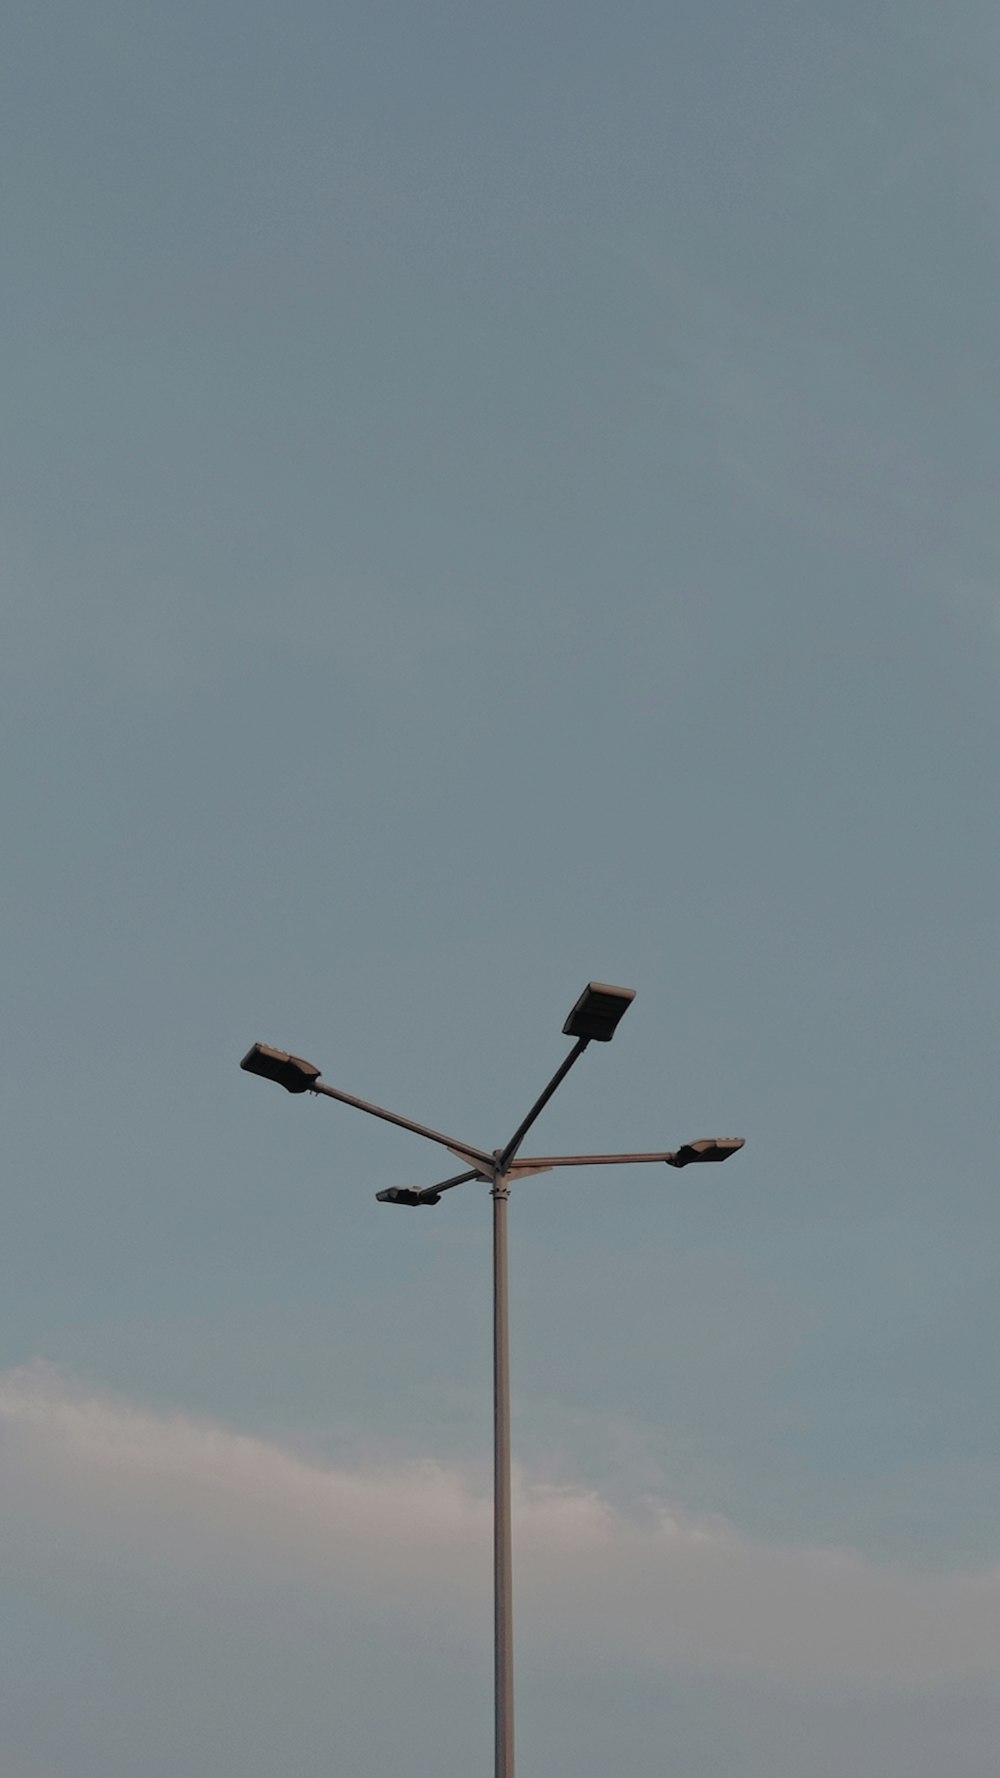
[713, 1148]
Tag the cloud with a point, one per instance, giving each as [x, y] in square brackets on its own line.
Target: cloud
[173, 1500]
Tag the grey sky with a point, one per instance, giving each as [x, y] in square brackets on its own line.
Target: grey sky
[490, 502]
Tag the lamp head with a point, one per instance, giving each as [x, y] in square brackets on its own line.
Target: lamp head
[597, 1012]
[713, 1148]
[290, 1072]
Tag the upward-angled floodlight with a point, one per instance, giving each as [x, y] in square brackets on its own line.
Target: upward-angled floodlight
[596, 1014]
[594, 1018]
[290, 1072]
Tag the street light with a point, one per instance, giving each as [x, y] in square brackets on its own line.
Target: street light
[594, 1018]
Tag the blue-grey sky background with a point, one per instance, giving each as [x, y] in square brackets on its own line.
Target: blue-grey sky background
[494, 500]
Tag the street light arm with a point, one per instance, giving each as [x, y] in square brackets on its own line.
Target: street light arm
[559, 1076]
[464, 1150]
[431, 1193]
[585, 1160]
[714, 1148]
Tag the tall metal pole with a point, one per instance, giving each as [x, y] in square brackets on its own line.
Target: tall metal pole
[595, 1017]
[503, 1622]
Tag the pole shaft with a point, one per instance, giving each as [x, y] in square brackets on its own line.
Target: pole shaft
[503, 1628]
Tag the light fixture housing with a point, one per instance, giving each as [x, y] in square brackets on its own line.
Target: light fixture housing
[405, 1194]
[713, 1148]
[290, 1072]
[596, 1015]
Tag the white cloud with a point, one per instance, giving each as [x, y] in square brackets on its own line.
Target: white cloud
[98, 1480]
